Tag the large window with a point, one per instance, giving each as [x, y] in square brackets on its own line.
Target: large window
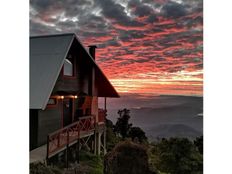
[52, 101]
[69, 66]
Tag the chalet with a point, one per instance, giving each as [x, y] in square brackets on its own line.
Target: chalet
[65, 83]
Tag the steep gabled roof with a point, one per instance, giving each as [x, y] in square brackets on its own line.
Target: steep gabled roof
[47, 55]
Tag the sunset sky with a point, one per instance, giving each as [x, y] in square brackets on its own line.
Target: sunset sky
[144, 46]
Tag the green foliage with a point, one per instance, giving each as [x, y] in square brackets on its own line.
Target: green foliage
[41, 168]
[93, 162]
[177, 156]
[199, 144]
[111, 138]
[137, 132]
[127, 157]
[122, 126]
[122, 130]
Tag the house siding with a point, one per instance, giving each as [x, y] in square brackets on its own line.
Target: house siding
[79, 82]
[49, 121]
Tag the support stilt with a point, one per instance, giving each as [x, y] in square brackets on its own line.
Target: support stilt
[95, 143]
[104, 141]
[99, 143]
[78, 151]
[66, 156]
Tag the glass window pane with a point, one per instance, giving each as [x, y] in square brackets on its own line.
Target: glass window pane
[68, 68]
[51, 101]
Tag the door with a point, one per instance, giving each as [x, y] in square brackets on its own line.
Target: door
[67, 111]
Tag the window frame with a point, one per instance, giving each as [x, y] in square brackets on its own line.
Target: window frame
[73, 61]
[50, 105]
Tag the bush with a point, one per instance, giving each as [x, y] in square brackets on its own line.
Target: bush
[127, 157]
[137, 132]
[41, 168]
[199, 144]
[177, 156]
[111, 138]
[93, 164]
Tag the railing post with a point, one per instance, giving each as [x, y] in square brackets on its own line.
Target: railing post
[78, 147]
[67, 148]
[58, 141]
[67, 136]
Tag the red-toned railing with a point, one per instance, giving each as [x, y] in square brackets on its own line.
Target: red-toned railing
[101, 115]
[63, 137]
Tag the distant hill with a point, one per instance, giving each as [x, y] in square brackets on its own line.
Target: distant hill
[172, 130]
[163, 116]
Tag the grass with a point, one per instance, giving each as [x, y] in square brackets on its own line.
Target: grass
[89, 164]
[94, 163]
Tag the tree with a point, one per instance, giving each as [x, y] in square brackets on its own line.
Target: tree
[122, 125]
[177, 156]
[137, 132]
[199, 144]
[111, 138]
[127, 158]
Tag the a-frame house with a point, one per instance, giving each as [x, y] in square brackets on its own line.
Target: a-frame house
[65, 83]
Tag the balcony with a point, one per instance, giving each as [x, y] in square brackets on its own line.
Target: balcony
[85, 126]
[60, 139]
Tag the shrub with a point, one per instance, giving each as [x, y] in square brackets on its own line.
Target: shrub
[177, 156]
[127, 157]
[41, 168]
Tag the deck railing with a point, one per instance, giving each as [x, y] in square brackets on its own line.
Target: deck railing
[63, 137]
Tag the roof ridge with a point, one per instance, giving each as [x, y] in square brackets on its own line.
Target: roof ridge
[52, 35]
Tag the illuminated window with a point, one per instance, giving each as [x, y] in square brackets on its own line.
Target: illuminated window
[52, 101]
[69, 66]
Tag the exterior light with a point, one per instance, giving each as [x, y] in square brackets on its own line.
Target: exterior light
[62, 97]
[75, 96]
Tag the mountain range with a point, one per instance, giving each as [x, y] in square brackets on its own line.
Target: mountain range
[162, 116]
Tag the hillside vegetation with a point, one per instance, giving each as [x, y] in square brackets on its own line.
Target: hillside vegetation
[127, 157]
[129, 152]
[174, 155]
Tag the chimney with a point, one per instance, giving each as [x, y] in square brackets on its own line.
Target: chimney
[92, 50]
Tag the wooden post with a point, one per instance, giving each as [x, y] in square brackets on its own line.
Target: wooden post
[99, 143]
[95, 142]
[67, 150]
[104, 139]
[104, 133]
[105, 104]
[66, 156]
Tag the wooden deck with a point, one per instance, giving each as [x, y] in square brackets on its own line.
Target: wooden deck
[40, 154]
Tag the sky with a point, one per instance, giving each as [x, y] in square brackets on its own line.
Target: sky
[143, 46]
